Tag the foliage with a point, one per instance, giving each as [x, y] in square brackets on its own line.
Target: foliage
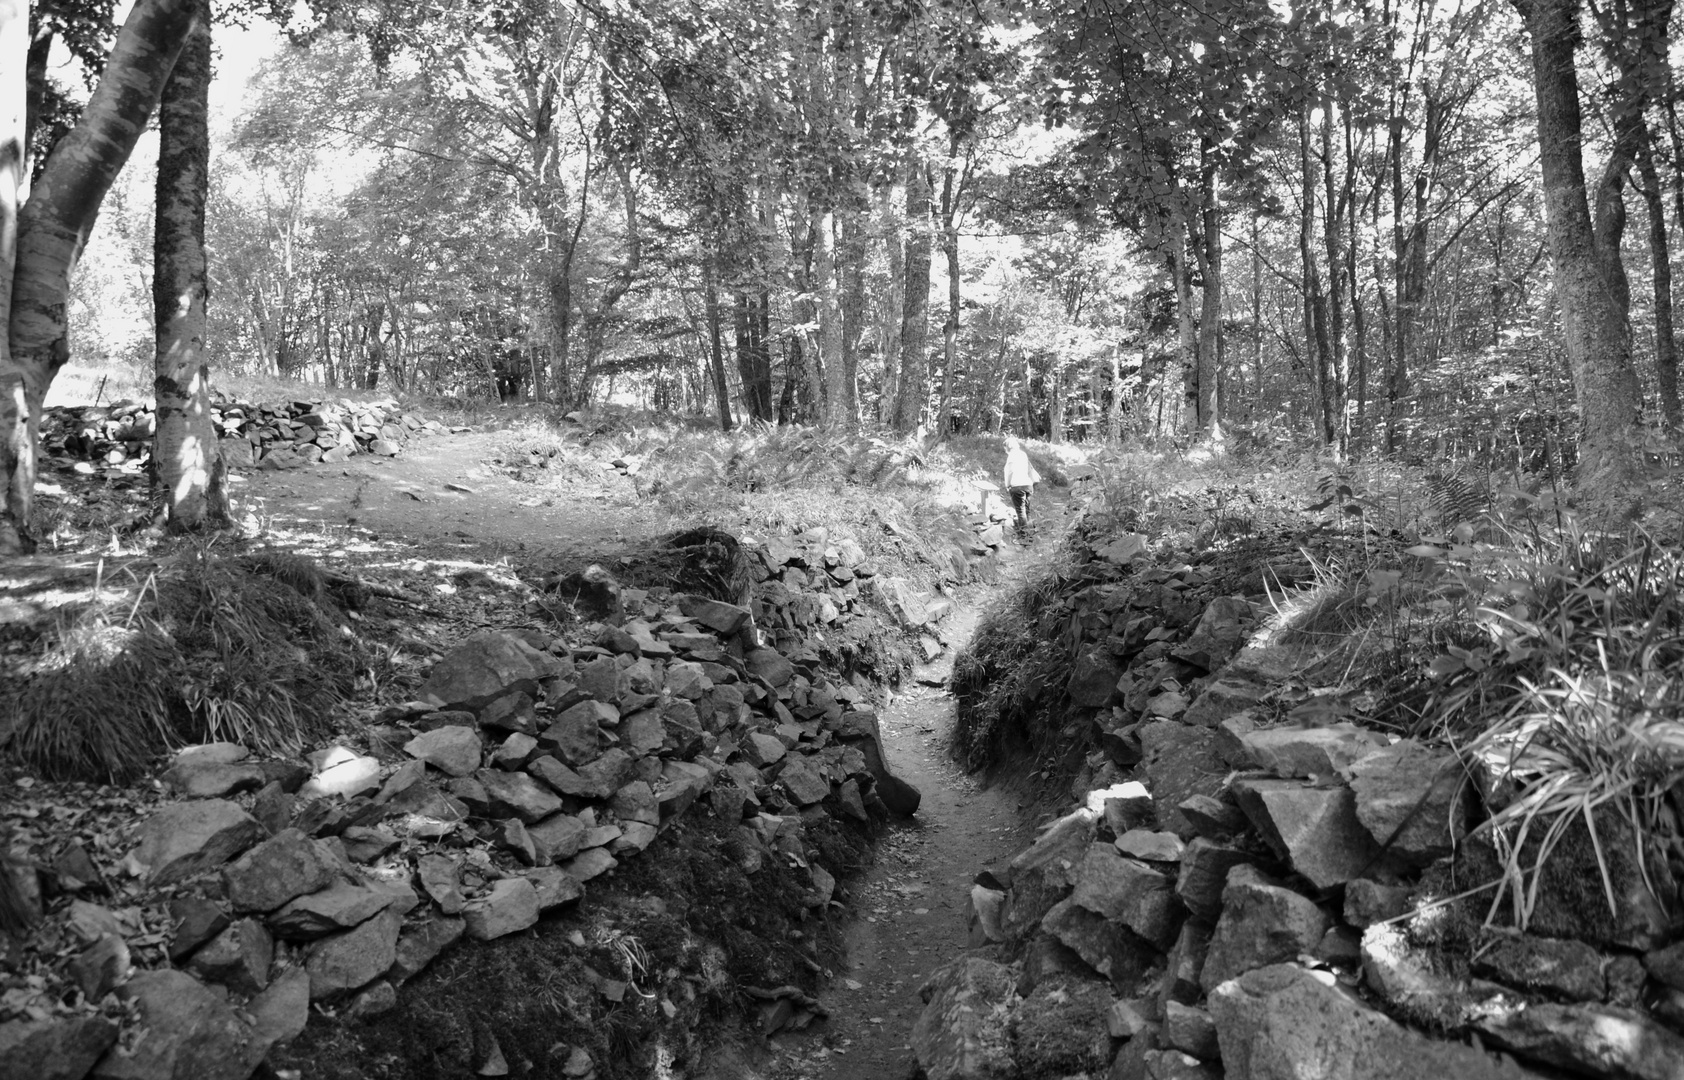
[207, 649]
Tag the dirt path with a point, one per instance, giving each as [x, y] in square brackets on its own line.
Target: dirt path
[911, 905]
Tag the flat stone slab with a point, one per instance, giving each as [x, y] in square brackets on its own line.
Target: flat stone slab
[511, 906]
[286, 865]
[184, 839]
[1314, 828]
[1298, 752]
[454, 749]
[355, 958]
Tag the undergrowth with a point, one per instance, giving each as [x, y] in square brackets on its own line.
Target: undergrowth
[249, 650]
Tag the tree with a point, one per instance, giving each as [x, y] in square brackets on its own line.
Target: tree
[185, 460]
[1593, 317]
[52, 228]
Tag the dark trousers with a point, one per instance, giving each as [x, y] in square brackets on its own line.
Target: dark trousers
[1020, 507]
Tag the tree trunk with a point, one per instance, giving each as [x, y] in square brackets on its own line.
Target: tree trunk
[1660, 261]
[186, 464]
[891, 307]
[915, 311]
[1597, 336]
[1210, 313]
[52, 228]
[951, 183]
[716, 351]
[851, 272]
[1186, 341]
[822, 283]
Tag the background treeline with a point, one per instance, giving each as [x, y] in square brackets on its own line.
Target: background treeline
[1109, 220]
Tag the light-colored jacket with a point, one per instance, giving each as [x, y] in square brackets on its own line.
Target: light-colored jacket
[1019, 472]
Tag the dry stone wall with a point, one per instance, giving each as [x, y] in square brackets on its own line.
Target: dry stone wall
[277, 435]
[528, 767]
[1261, 900]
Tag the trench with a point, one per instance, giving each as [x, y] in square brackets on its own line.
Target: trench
[908, 911]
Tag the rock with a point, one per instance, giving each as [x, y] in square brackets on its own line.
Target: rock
[1218, 634]
[515, 712]
[372, 1000]
[515, 752]
[1286, 1023]
[556, 837]
[344, 774]
[101, 967]
[576, 735]
[338, 907]
[61, 1048]
[1110, 948]
[238, 958]
[273, 807]
[191, 1034]
[722, 618]
[511, 906]
[1126, 807]
[420, 944]
[1124, 549]
[803, 781]
[1562, 969]
[1221, 700]
[959, 1036]
[984, 916]
[1190, 1030]
[860, 730]
[1314, 828]
[1128, 892]
[1093, 678]
[213, 780]
[1295, 752]
[1596, 1040]
[349, 961]
[184, 839]
[1043, 873]
[1261, 924]
[1058, 1029]
[1178, 761]
[593, 592]
[1204, 875]
[598, 780]
[590, 864]
[453, 750]
[770, 665]
[1150, 845]
[442, 881]
[1210, 817]
[1666, 965]
[555, 886]
[513, 794]
[280, 1012]
[1125, 1019]
[1186, 964]
[762, 749]
[194, 920]
[286, 865]
[1409, 798]
[90, 922]
[485, 667]
[1411, 980]
[365, 845]
[1369, 902]
[642, 732]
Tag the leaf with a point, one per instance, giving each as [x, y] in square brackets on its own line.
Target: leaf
[1445, 666]
[1425, 551]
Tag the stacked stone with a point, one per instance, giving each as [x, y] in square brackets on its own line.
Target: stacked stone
[1232, 897]
[279, 435]
[816, 581]
[345, 878]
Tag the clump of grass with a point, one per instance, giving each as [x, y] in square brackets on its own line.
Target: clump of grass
[210, 649]
[1571, 700]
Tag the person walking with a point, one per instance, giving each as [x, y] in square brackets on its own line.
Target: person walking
[1020, 477]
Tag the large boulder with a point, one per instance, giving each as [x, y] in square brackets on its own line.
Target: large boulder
[286, 865]
[1093, 678]
[1409, 798]
[1314, 828]
[1284, 1022]
[355, 958]
[1177, 762]
[960, 1034]
[1292, 752]
[1218, 635]
[1588, 1039]
[1130, 892]
[192, 1033]
[860, 730]
[487, 666]
[184, 839]
[1110, 948]
[61, 1048]
[1261, 924]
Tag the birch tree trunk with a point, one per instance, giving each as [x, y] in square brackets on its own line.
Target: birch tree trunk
[14, 54]
[52, 228]
[186, 464]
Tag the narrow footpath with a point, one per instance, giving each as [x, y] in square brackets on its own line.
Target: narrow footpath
[910, 906]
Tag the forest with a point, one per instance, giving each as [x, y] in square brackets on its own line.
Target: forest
[1377, 227]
